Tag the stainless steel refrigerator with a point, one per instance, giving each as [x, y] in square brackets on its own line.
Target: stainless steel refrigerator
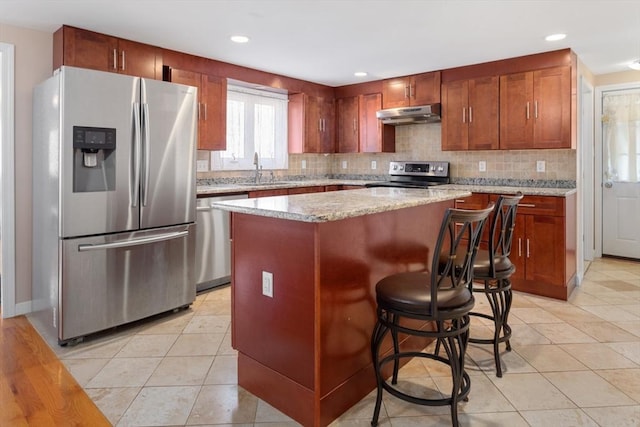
[114, 200]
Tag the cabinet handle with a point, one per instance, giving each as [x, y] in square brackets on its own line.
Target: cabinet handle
[199, 108]
[519, 246]
[355, 125]
[464, 115]
[526, 205]
[528, 253]
[406, 91]
[527, 111]
[122, 60]
[470, 115]
[205, 110]
[459, 201]
[412, 92]
[115, 59]
[535, 109]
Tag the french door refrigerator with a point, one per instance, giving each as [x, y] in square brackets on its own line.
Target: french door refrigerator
[113, 200]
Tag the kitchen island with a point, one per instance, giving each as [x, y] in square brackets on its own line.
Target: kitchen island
[304, 269]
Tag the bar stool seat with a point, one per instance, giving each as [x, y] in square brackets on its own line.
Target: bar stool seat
[434, 306]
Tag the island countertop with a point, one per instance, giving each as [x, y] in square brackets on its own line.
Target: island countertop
[337, 205]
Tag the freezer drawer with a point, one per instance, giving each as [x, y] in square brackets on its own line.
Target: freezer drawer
[116, 279]
[213, 249]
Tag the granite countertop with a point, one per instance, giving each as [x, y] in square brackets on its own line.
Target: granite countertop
[337, 205]
[501, 189]
[244, 187]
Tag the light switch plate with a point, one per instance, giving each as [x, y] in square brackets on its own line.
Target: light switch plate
[482, 166]
[304, 164]
[374, 164]
[344, 164]
[267, 284]
[540, 166]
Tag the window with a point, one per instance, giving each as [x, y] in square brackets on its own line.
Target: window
[256, 123]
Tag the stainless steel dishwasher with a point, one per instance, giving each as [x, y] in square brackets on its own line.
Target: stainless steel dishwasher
[213, 248]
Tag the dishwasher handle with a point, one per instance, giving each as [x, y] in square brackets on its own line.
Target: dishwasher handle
[133, 242]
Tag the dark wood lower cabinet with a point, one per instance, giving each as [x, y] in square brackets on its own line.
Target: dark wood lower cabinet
[544, 243]
[306, 350]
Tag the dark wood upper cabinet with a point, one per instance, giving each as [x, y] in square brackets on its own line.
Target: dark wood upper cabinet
[470, 114]
[418, 89]
[311, 124]
[374, 136]
[535, 109]
[87, 49]
[212, 106]
[347, 125]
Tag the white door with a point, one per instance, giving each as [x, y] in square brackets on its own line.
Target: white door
[621, 173]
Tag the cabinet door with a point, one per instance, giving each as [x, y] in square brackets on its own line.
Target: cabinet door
[347, 128]
[545, 249]
[395, 92]
[137, 59]
[327, 114]
[516, 119]
[518, 248]
[425, 88]
[455, 129]
[213, 99]
[86, 49]
[313, 125]
[483, 113]
[552, 108]
[374, 136]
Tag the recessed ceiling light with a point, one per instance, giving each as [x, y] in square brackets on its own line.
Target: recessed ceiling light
[360, 74]
[635, 65]
[239, 39]
[555, 37]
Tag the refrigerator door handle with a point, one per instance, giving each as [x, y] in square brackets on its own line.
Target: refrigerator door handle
[136, 154]
[146, 144]
[133, 242]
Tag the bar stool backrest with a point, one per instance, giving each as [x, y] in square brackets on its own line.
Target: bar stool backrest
[460, 233]
[503, 223]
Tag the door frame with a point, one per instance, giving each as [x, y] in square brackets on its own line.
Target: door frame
[7, 64]
[586, 172]
[598, 158]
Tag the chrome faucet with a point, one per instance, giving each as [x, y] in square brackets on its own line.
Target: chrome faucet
[256, 162]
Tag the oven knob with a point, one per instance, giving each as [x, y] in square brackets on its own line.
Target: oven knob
[395, 167]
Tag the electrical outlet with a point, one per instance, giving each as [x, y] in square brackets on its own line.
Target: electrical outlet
[540, 166]
[344, 164]
[267, 284]
[482, 166]
[202, 165]
[374, 164]
[304, 164]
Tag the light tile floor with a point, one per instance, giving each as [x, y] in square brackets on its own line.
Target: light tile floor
[573, 363]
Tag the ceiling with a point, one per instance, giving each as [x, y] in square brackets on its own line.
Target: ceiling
[326, 41]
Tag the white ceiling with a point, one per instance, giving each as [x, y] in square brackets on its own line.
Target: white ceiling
[326, 41]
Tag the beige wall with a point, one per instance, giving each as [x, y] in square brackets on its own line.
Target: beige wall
[630, 76]
[33, 63]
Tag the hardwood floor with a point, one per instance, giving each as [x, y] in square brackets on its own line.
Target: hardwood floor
[35, 387]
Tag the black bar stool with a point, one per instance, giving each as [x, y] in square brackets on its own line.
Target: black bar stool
[493, 268]
[413, 303]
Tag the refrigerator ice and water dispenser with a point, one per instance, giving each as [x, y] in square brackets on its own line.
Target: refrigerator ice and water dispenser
[94, 164]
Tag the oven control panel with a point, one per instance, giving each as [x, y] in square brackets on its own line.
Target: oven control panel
[420, 168]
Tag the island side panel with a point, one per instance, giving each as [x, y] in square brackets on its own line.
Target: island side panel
[354, 254]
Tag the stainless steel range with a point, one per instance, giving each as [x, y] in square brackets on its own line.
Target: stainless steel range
[415, 174]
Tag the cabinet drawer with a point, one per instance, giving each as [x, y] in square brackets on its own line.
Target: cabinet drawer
[540, 205]
[475, 201]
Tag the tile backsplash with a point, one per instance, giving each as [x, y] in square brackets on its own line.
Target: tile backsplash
[422, 142]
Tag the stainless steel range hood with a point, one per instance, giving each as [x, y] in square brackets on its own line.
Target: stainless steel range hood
[410, 115]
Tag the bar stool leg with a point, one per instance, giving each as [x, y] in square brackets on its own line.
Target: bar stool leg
[379, 331]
